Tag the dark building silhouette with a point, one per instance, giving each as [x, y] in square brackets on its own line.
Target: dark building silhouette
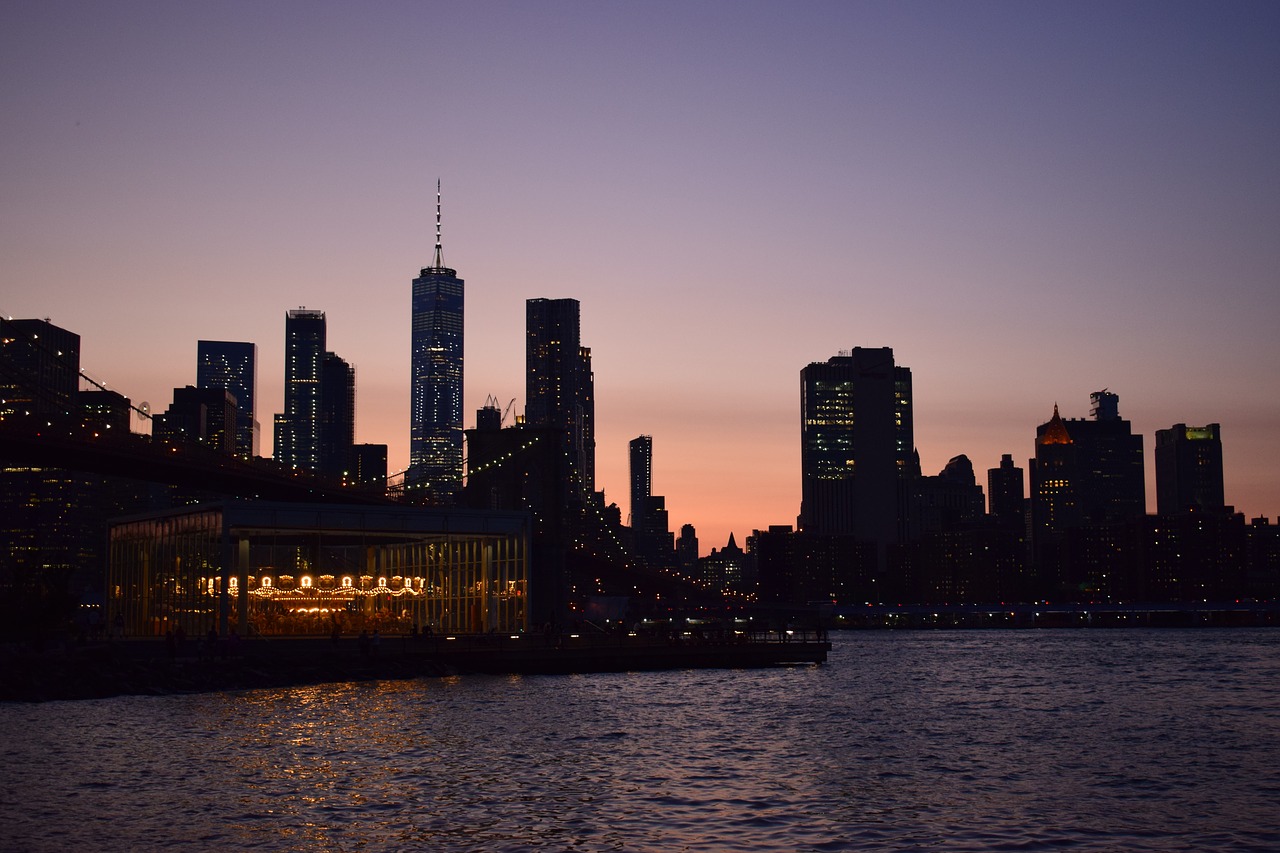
[523, 467]
[654, 542]
[233, 366]
[687, 550]
[53, 520]
[297, 429]
[948, 501]
[1086, 485]
[726, 569]
[199, 416]
[106, 410]
[799, 568]
[857, 451]
[1189, 469]
[370, 465]
[559, 385]
[1005, 499]
[435, 419]
[641, 456]
[337, 432]
[1262, 560]
[39, 368]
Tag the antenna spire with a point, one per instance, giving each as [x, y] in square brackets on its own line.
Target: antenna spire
[439, 261]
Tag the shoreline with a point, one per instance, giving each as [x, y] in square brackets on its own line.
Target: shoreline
[149, 667]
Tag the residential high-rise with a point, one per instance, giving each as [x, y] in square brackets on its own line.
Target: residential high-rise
[650, 528]
[297, 430]
[1189, 469]
[641, 452]
[233, 366]
[857, 452]
[559, 386]
[435, 417]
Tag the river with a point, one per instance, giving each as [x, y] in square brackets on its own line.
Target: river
[1128, 740]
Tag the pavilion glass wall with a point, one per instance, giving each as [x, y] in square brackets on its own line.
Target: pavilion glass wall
[180, 570]
[159, 575]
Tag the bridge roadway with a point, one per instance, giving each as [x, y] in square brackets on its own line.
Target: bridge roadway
[39, 442]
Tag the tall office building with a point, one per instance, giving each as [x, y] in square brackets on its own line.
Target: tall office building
[559, 386]
[297, 429]
[233, 366]
[337, 431]
[435, 419]
[857, 452]
[1189, 469]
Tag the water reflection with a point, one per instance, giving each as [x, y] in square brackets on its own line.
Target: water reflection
[977, 741]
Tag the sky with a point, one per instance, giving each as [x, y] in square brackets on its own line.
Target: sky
[1027, 201]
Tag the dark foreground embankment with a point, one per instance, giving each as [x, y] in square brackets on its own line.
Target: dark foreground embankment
[151, 667]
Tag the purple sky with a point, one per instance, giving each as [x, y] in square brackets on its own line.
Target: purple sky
[1027, 201]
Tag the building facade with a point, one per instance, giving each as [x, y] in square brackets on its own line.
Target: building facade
[233, 366]
[1189, 469]
[297, 429]
[857, 450]
[199, 416]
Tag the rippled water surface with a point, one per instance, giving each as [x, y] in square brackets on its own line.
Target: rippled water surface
[1008, 740]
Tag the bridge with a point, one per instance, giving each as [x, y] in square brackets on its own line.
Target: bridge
[64, 441]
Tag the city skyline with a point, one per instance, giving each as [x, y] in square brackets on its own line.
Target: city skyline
[1027, 205]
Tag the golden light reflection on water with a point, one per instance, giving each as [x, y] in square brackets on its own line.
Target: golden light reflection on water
[962, 742]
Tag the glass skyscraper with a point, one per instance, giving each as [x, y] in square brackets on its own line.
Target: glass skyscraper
[233, 366]
[297, 430]
[435, 419]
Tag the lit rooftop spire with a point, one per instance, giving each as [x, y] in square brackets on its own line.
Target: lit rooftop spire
[439, 260]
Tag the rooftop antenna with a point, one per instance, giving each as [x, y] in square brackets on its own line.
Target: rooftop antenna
[439, 262]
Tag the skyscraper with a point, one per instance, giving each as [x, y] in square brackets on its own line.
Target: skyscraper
[233, 366]
[857, 452]
[654, 543]
[435, 418]
[337, 431]
[297, 430]
[559, 386]
[641, 450]
[1189, 469]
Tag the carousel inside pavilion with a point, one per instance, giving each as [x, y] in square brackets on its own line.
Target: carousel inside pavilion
[261, 568]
